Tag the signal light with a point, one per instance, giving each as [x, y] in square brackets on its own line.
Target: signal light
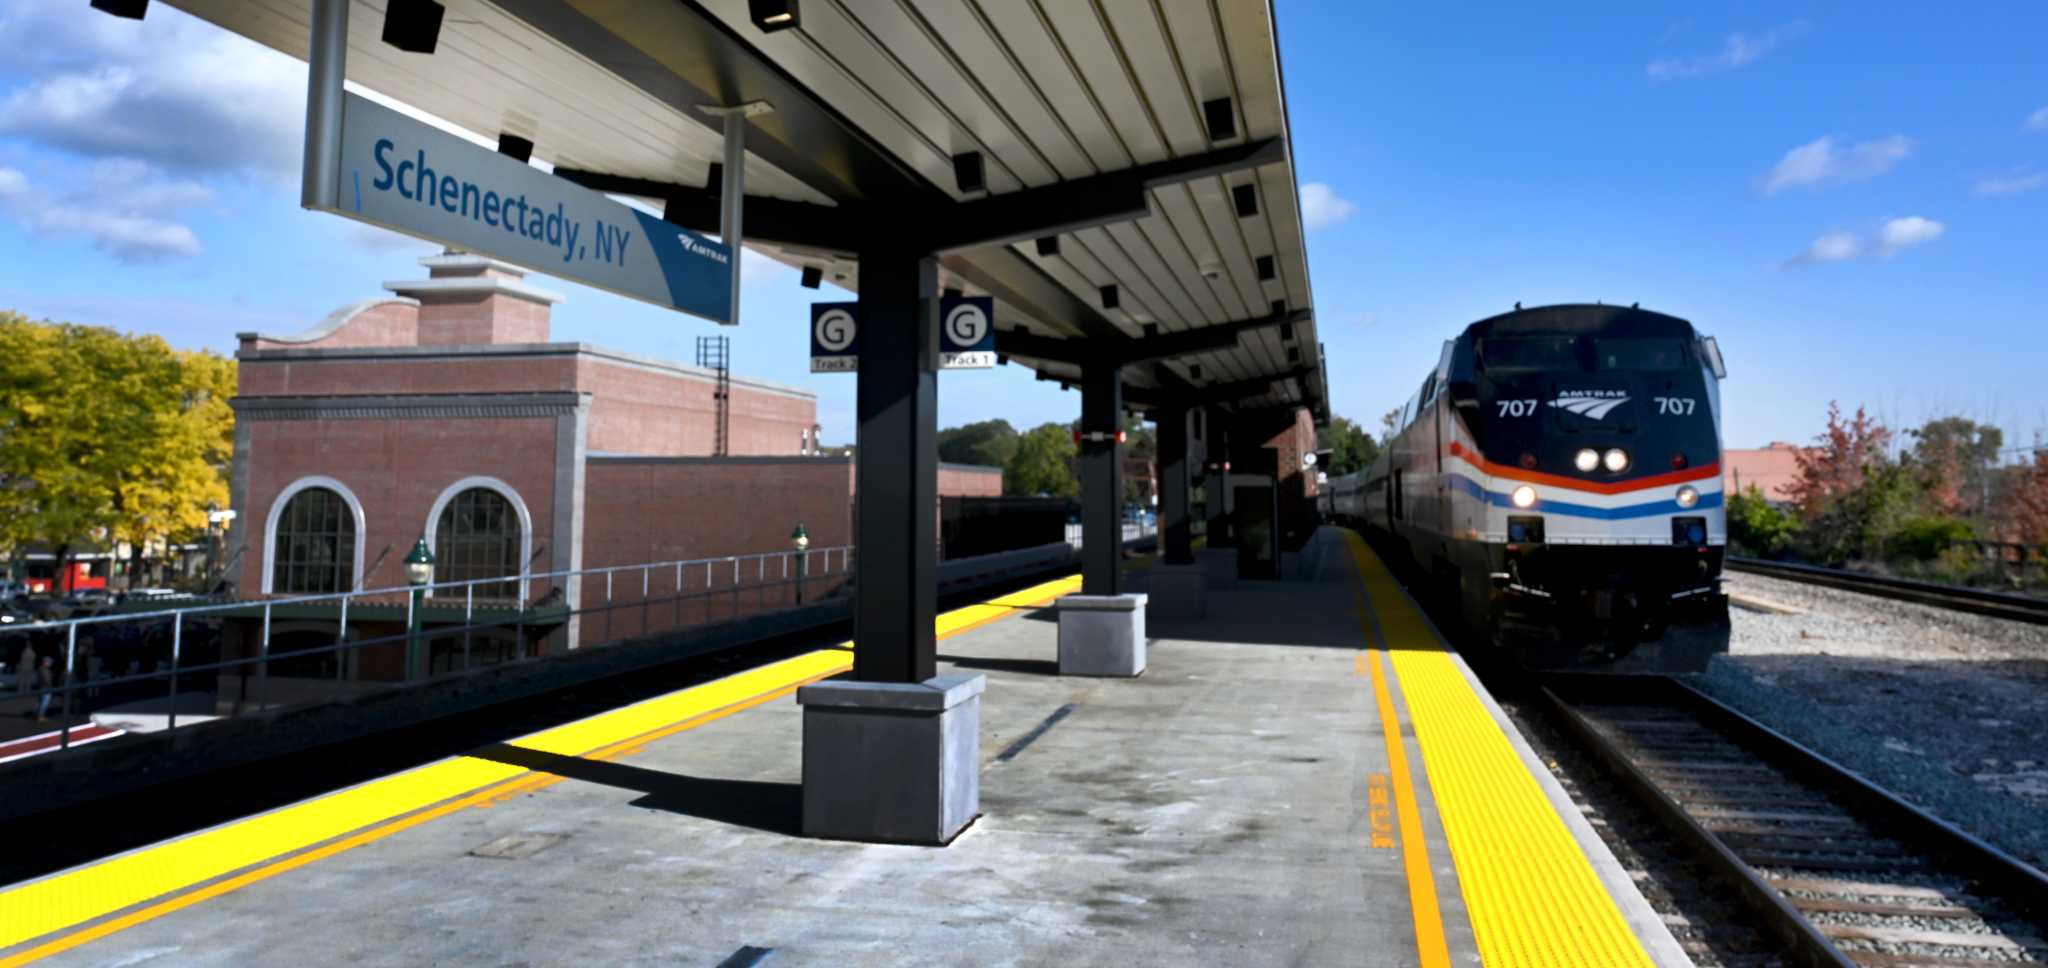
[1587, 460]
[1688, 496]
[1678, 462]
[1524, 496]
[1528, 461]
[1616, 460]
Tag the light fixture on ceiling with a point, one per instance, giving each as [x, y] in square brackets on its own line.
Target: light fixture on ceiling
[130, 9]
[813, 276]
[1221, 120]
[773, 15]
[514, 147]
[1049, 245]
[1110, 298]
[413, 26]
[967, 172]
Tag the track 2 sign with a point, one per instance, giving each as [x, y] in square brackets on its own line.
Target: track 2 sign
[967, 335]
[835, 337]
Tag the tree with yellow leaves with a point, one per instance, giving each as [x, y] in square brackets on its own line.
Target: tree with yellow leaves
[107, 437]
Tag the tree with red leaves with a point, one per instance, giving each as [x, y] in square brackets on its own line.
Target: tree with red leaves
[1838, 462]
[2028, 505]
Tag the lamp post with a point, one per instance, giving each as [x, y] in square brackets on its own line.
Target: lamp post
[801, 541]
[419, 570]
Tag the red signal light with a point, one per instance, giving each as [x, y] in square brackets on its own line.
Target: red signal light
[1678, 462]
[1528, 462]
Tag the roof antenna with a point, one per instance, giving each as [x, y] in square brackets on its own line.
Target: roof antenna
[1518, 307]
[1635, 305]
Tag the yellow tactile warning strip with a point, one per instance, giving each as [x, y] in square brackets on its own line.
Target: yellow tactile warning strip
[183, 871]
[1431, 950]
[1531, 894]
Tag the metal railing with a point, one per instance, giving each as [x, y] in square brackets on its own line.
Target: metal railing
[186, 650]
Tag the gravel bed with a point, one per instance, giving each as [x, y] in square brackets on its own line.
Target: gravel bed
[1947, 709]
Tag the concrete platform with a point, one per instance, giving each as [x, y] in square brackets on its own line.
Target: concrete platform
[1236, 805]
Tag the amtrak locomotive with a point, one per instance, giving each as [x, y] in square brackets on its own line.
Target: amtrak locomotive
[1558, 478]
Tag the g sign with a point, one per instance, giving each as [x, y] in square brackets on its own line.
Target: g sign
[967, 333]
[835, 337]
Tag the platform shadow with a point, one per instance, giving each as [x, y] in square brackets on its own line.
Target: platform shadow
[1029, 667]
[1046, 614]
[772, 807]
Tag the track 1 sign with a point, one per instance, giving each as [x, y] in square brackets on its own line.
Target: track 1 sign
[967, 335]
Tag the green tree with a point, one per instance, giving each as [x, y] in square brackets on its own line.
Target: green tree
[1954, 458]
[1140, 449]
[106, 437]
[988, 443]
[1043, 463]
[1351, 448]
[1758, 527]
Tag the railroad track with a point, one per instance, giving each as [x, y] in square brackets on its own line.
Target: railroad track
[1839, 870]
[2019, 608]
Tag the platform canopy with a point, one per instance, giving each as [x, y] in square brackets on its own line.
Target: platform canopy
[1117, 175]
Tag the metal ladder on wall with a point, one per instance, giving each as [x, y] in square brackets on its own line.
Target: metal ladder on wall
[714, 353]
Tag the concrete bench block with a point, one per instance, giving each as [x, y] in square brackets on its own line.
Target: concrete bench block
[892, 762]
[1102, 635]
[1177, 591]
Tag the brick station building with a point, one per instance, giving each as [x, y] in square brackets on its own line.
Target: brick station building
[442, 411]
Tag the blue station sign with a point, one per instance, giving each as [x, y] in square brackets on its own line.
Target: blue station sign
[416, 179]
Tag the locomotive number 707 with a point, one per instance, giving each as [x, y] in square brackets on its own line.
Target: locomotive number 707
[1517, 408]
[1675, 405]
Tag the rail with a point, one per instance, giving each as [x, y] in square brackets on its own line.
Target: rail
[186, 649]
[2019, 608]
[1794, 833]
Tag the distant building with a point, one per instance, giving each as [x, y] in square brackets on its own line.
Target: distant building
[1771, 470]
[443, 412]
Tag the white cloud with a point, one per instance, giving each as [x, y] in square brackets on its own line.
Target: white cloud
[1894, 236]
[122, 210]
[1822, 162]
[1833, 247]
[1900, 233]
[2021, 179]
[2038, 121]
[1368, 318]
[172, 90]
[1739, 50]
[1321, 207]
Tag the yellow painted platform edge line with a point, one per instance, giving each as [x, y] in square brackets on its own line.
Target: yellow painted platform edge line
[523, 783]
[1432, 950]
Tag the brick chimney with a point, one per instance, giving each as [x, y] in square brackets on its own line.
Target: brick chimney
[469, 300]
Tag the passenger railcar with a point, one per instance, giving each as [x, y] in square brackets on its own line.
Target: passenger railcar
[1557, 476]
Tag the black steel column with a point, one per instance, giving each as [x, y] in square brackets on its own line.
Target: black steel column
[1173, 487]
[1102, 486]
[1217, 486]
[896, 475]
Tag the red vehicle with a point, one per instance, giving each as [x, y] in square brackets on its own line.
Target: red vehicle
[84, 571]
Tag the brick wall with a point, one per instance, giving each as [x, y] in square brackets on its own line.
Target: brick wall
[654, 509]
[969, 480]
[479, 319]
[374, 322]
[396, 468]
[639, 409]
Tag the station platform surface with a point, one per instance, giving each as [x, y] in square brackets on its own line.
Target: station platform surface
[1237, 804]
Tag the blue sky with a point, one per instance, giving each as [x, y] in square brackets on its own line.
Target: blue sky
[1852, 199]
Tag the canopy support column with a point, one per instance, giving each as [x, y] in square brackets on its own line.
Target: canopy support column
[1174, 531]
[1102, 532]
[894, 755]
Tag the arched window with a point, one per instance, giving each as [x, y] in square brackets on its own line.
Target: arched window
[314, 548]
[478, 536]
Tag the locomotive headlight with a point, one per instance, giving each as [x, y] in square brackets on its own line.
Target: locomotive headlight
[1616, 460]
[1524, 496]
[1688, 496]
[1588, 460]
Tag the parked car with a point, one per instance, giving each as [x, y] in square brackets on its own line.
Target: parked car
[89, 598]
[12, 591]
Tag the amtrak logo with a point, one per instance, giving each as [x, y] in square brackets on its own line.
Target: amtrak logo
[1591, 404]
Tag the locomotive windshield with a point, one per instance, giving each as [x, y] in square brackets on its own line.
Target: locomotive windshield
[1639, 354]
[1570, 353]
